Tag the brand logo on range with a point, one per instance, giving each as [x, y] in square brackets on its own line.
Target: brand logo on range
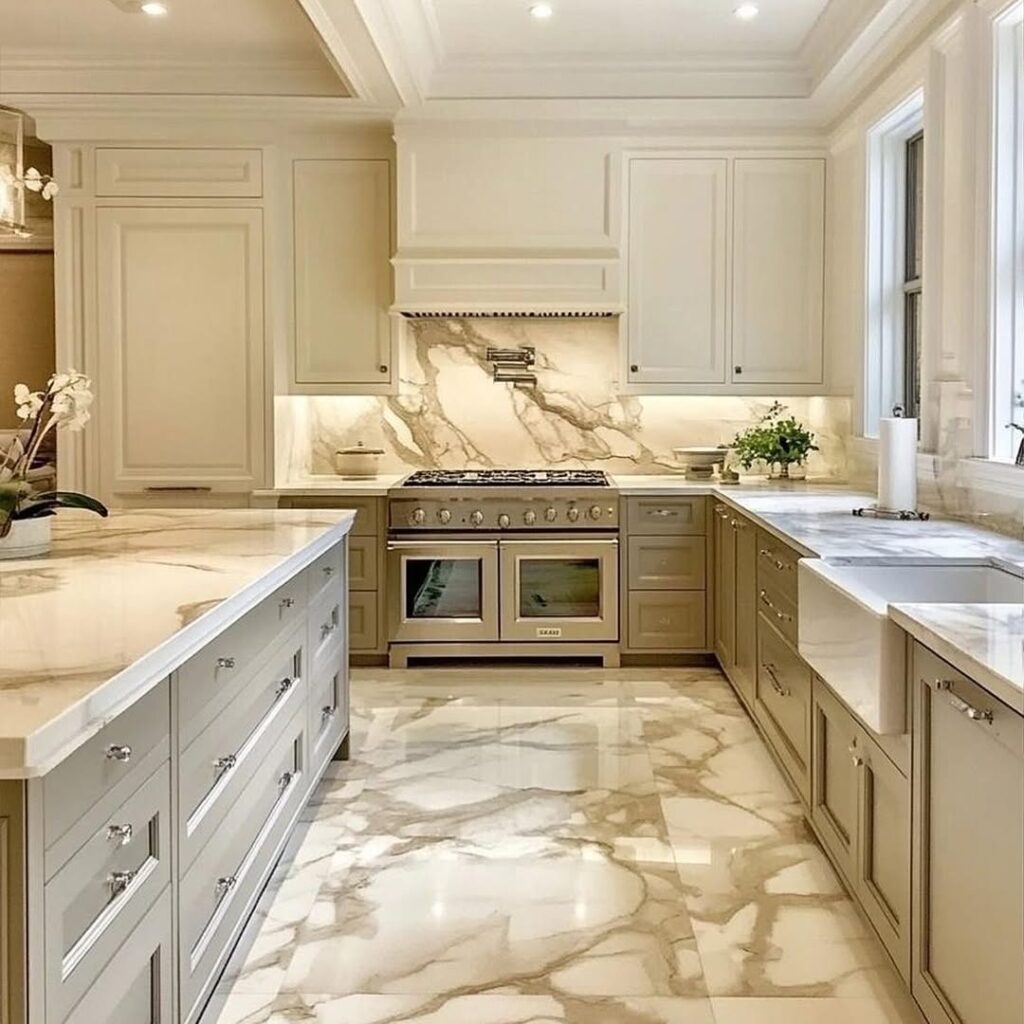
[549, 632]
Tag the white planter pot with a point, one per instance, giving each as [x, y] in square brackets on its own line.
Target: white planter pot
[28, 537]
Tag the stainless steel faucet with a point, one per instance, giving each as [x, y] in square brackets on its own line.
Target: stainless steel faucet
[1020, 451]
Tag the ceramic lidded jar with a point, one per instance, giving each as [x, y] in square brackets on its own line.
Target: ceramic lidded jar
[358, 460]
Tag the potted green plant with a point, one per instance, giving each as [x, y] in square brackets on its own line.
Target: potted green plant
[777, 439]
[25, 514]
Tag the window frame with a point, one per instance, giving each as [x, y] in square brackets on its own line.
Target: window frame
[913, 256]
[1006, 362]
[886, 226]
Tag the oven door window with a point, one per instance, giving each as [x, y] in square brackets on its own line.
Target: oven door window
[559, 588]
[443, 588]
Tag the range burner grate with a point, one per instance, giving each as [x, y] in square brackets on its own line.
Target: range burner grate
[507, 478]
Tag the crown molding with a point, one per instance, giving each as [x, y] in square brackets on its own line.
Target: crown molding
[214, 119]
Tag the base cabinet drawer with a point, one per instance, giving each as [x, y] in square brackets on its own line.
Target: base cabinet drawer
[667, 563]
[666, 516]
[363, 626]
[216, 768]
[93, 903]
[135, 987]
[783, 704]
[667, 620]
[219, 890]
[328, 716]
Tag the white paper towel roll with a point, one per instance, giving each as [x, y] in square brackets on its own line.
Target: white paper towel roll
[897, 464]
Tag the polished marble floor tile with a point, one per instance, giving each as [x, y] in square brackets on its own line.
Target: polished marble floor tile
[574, 847]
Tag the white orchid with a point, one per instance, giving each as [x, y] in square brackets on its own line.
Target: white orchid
[41, 183]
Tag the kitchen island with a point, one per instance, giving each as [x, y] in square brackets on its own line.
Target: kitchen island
[172, 685]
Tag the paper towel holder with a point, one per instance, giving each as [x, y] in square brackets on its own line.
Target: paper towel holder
[903, 515]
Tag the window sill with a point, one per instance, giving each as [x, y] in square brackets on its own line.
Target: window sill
[1003, 478]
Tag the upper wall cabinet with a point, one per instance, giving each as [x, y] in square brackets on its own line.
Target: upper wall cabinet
[506, 224]
[180, 372]
[344, 334]
[677, 256]
[725, 271]
[778, 271]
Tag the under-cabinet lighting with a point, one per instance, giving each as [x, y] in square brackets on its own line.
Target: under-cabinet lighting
[541, 11]
[747, 12]
[154, 8]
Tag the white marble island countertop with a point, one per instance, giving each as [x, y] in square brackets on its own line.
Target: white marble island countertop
[119, 603]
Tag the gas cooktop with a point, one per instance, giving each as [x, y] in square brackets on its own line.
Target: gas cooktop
[507, 478]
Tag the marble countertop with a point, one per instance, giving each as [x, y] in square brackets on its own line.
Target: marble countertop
[317, 486]
[984, 641]
[119, 603]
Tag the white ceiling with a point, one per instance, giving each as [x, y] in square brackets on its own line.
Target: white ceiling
[620, 30]
[237, 45]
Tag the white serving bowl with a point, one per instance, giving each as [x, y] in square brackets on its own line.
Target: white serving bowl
[357, 461]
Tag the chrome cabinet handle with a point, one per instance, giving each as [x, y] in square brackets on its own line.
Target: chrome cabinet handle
[284, 686]
[328, 570]
[327, 712]
[222, 764]
[121, 834]
[285, 781]
[778, 613]
[959, 704]
[327, 629]
[225, 663]
[723, 512]
[288, 602]
[224, 886]
[118, 881]
[119, 752]
[769, 556]
[857, 760]
[663, 513]
[774, 679]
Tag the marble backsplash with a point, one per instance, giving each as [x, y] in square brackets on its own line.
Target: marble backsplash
[449, 413]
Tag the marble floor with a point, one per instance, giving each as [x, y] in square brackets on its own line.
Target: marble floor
[536, 846]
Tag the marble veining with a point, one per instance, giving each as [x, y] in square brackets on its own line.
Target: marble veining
[580, 846]
[119, 602]
[449, 413]
[985, 641]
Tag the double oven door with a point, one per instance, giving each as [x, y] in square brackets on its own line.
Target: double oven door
[482, 590]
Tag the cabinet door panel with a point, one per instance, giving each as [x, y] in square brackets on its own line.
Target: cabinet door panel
[778, 271]
[181, 362]
[342, 272]
[677, 270]
[725, 588]
[968, 935]
[745, 608]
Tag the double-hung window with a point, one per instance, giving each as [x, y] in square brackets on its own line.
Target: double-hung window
[1006, 397]
[912, 261]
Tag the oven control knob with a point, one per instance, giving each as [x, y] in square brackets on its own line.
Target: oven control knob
[550, 515]
[595, 512]
[417, 517]
[573, 514]
[529, 517]
[476, 518]
[444, 516]
[504, 522]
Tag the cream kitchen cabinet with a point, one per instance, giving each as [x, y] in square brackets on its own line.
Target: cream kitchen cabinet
[725, 272]
[677, 256]
[180, 373]
[735, 583]
[344, 336]
[778, 269]
[968, 883]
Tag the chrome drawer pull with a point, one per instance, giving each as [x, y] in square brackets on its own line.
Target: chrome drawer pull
[285, 781]
[288, 602]
[857, 760]
[284, 686]
[776, 685]
[780, 615]
[222, 764]
[225, 663]
[119, 881]
[224, 886]
[119, 752]
[663, 513]
[959, 704]
[121, 834]
[328, 570]
[327, 712]
[327, 629]
[769, 556]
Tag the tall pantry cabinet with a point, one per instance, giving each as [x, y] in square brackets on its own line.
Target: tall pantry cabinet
[195, 283]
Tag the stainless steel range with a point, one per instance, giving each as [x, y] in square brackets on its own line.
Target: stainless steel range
[503, 563]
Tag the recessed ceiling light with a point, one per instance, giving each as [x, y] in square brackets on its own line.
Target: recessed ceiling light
[541, 11]
[154, 8]
[747, 12]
